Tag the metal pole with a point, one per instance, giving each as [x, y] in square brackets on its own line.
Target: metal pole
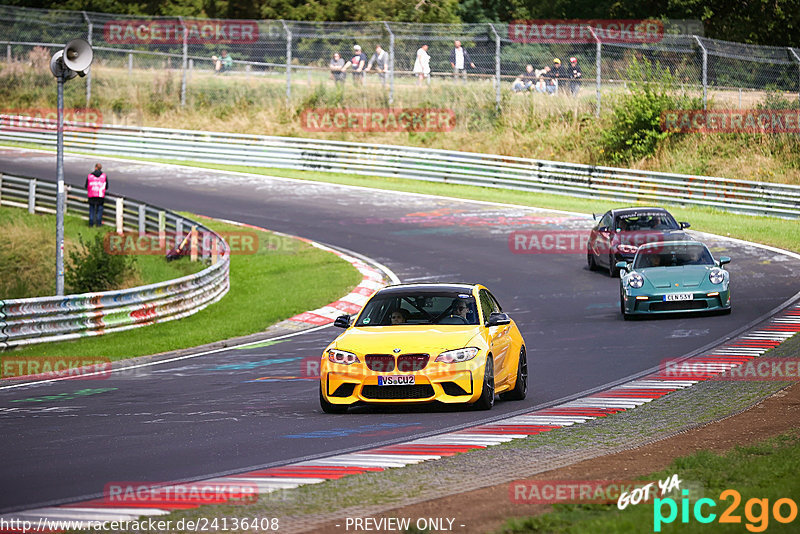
[496, 65]
[796, 58]
[705, 71]
[89, 70]
[60, 194]
[288, 60]
[598, 67]
[185, 61]
[391, 62]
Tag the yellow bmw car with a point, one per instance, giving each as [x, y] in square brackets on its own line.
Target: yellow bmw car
[419, 343]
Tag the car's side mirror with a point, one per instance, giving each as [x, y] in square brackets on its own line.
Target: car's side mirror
[723, 260]
[343, 321]
[684, 224]
[622, 265]
[497, 319]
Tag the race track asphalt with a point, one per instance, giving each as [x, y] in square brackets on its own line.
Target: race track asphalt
[235, 410]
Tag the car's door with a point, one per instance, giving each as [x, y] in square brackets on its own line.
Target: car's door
[499, 338]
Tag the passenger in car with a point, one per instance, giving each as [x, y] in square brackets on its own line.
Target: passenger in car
[399, 316]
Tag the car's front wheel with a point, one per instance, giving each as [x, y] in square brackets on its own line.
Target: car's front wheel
[328, 407]
[613, 272]
[591, 261]
[521, 386]
[486, 400]
[625, 315]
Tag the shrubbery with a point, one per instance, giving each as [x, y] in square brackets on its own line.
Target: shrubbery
[635, 130]
[92, 269]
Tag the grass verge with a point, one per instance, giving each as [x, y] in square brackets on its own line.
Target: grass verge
[27, 254]
[283, 278]
[767, 470]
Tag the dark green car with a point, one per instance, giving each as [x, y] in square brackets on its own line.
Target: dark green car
[674, 276]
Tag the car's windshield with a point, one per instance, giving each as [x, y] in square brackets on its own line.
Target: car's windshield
[411, 308]
[644, 221]
[672, 255]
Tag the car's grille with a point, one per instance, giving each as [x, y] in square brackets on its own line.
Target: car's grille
[418, 391]
[451, 388]
[680, 305]
[381, 363]
[344, 390]
[408, 363]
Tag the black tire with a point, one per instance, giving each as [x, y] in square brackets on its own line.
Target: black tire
[591, 261]
[327, 407]
[625, 314]
[486, 400]
[521, 386]
[613, 272]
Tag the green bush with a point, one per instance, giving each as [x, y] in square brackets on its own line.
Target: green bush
[93, 269]
[636, 130]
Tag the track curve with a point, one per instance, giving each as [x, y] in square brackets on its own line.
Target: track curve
[226, 411]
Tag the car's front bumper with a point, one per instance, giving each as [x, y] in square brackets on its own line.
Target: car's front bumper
[438, 382]
[641, 304]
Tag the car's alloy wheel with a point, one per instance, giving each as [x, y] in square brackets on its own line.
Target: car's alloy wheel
[591, 261]
[521, 386]
[625, 315]
[486, 400]
[612, 269]
[328, 407]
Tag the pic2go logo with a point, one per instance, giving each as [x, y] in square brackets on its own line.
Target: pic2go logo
[756, 511]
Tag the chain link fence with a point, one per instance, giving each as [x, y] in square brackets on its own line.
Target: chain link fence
[299, 55]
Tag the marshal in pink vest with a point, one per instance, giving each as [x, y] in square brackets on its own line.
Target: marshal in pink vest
[97, 186]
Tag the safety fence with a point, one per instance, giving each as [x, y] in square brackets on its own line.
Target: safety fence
[59, 318]
[297, 54]
[434, 165]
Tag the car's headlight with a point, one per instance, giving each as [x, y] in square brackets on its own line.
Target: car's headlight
[458, 355]
[716, 276]
[627, 249]
[342, 356]
[635, 280]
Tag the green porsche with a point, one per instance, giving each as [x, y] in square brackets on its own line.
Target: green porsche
[673, 276]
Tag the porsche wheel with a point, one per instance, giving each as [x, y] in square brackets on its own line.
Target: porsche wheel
[625, 315]
[521, 386]
[486, 400]
[328, 407]
[591, 261]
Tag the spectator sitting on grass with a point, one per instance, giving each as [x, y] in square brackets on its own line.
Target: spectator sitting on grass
[224, 63]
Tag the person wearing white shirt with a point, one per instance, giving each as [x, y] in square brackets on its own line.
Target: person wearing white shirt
[422, 65]
[459, 59]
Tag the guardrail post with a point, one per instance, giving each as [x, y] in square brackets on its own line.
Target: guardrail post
[162, 230]
[391, 62]
[214, 251]
[142, 219]
[288, 61]
[32, 196]
[89, 70]
[120, 209]
[130, 63]
[797, 59]
[8, 52]
[178, 228]
[193, 244]
[496, 65]
[598, 57]
[705, 71]
[205, 246]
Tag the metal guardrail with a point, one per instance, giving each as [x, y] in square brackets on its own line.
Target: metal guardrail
[44, 319]
[486, 170]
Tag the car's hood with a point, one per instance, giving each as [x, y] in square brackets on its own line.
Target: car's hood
[676, 277]
[640, 237]
[409, 339]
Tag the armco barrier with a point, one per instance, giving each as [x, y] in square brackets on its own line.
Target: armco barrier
[42, 319]
[504, 172]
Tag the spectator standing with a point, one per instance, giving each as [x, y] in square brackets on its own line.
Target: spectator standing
[96, 186]
[459, 59]
[381, 61]
[422, 65]
[337, 69]
[575, 75]
[358, 63]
